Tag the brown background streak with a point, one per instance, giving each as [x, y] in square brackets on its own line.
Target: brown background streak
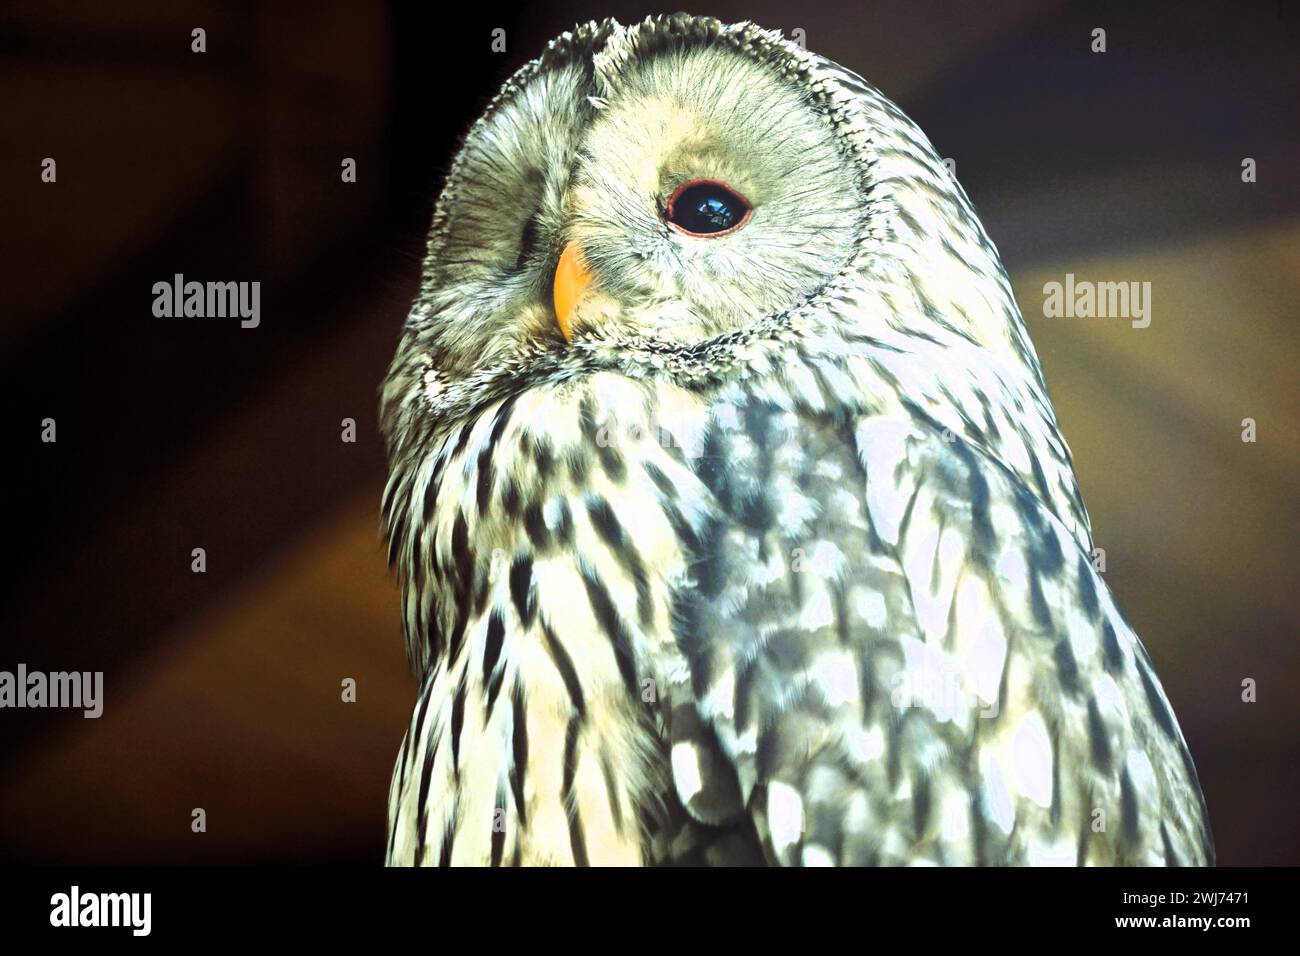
[222, 690]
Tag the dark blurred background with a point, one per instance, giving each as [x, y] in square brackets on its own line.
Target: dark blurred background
[223, 689]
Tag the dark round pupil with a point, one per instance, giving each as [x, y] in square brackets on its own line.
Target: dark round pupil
[707, 208]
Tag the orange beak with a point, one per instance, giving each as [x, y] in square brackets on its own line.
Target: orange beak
[571, 280]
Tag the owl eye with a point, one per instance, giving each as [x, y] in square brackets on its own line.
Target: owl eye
[704, 207]
[527, 243]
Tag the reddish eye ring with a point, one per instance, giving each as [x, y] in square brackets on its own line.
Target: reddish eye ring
[706, 209]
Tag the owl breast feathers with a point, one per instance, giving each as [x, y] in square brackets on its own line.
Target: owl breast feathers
[733, 521]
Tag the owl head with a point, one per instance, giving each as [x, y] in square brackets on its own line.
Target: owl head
[666, 197]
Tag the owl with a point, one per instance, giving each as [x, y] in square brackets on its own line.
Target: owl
[732, 518]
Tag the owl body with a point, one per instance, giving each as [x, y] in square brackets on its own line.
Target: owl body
[768, 550]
